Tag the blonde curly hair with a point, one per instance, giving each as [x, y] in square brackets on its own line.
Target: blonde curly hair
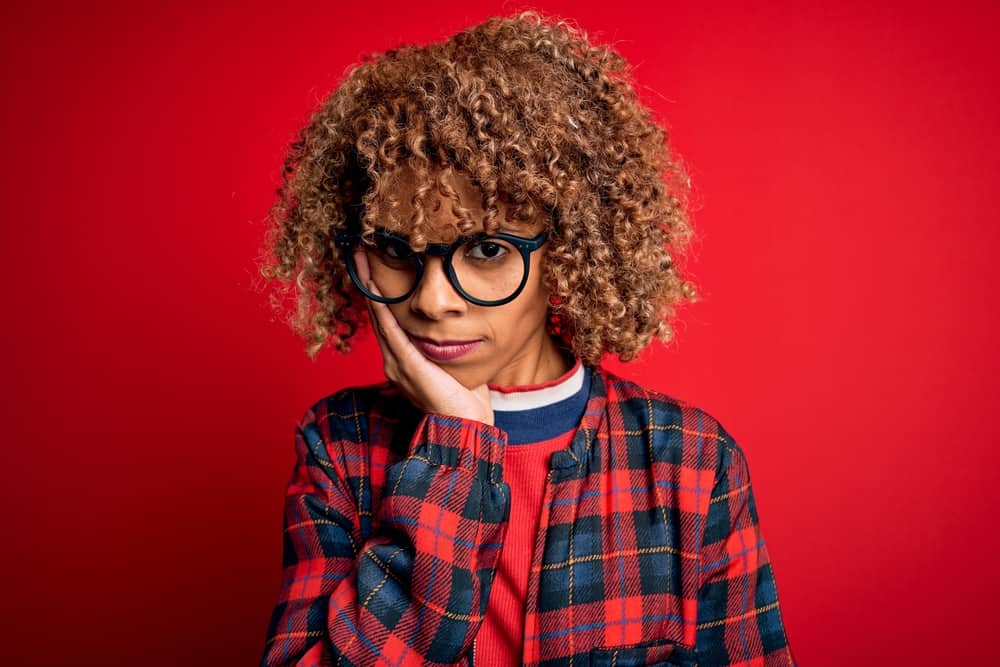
[539, 119]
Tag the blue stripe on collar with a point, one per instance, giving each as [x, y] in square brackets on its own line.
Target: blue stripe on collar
[542, 414]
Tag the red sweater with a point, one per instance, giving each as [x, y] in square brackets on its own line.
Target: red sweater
[539, 420]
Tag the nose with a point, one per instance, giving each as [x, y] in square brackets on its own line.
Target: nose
[434, 296]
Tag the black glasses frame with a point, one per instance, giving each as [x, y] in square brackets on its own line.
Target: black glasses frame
[348, 240]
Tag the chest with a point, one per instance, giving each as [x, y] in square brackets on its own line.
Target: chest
[601, 560]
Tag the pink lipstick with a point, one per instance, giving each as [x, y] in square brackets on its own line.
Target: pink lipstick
[446, 351]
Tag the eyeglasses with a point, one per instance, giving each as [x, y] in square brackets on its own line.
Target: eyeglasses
[486, 269]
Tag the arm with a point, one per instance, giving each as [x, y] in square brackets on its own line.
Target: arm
[415, 591]
[739, 617]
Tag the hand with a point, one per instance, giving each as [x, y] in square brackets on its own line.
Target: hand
[425, 384]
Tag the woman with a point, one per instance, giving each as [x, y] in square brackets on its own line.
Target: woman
[504, 211]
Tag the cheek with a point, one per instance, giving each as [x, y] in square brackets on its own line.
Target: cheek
[536, 287]
[534, 305]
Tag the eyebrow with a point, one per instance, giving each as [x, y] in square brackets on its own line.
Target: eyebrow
[514, 228]
[504, 228]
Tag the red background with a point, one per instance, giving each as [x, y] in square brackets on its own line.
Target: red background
[845, 159]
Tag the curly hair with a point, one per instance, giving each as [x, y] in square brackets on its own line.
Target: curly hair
[538, 118]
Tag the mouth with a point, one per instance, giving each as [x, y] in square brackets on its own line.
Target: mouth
[444, 350]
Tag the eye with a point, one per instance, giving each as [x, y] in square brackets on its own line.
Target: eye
[392, 248]
[397, 250]
[486, 250]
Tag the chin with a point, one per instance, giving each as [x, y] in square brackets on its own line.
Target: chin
[470, 378]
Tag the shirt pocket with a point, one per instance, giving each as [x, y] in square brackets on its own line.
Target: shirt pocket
[659, 653]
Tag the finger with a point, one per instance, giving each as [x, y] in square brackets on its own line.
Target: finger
[376, 325]
[364, 273]
[361, 265]
[398, 353]
[383, 319]
[392, 333]
[379, 332]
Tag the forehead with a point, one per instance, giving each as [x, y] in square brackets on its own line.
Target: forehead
[441, 223]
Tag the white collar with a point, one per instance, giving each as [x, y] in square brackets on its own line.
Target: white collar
[516, 399]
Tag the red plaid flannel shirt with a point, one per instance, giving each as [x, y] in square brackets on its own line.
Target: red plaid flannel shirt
[648, 551]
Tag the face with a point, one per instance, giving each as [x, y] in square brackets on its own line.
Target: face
[512, 347]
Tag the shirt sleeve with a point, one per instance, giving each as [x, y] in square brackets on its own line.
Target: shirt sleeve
[739, 616]
[415, 591]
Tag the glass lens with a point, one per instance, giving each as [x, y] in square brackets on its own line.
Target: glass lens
[392, 264]
[488, 268]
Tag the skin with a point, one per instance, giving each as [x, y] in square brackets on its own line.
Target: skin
[515, 348]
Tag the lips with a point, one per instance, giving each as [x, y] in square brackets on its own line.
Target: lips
[444, 350]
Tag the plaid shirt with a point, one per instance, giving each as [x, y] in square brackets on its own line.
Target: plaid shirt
[648, 550]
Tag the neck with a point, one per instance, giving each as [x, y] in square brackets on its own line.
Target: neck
[535, 365]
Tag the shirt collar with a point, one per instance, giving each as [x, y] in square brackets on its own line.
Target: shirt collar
[528, 397]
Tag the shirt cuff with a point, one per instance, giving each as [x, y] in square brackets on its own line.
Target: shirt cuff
[457, 441]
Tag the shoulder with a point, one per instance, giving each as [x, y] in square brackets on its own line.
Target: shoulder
[677, 430]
